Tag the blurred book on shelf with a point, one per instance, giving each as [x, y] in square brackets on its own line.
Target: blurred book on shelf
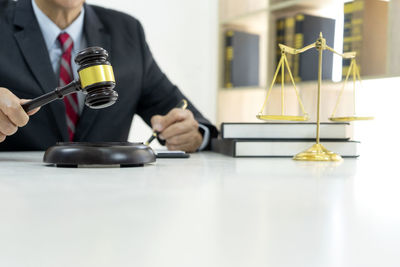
[242, 57]
[365, 32]
[299, 31]
[280, 39]
[285, 35]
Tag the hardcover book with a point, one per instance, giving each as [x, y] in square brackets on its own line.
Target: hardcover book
[286, 130]
[279, 148]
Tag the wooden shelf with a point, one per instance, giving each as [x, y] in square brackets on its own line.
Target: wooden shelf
[242, 104]
[233, 10]
[247, 16]
[295, 5]
[243, 88]
[286, 6]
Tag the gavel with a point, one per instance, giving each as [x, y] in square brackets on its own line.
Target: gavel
[96, 80]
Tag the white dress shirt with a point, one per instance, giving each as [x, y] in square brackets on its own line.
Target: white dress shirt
[51, 32]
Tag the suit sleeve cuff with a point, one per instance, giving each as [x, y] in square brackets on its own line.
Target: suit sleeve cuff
[206, 136]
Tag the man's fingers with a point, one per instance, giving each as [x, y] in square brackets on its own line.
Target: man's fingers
[156, 123]
[184, 147]
[160, 123]
[30, 113]
[2, 137]
[11, 107]
[12, 115]
[187, 142]
[6, 126]
[180, 139]
[179, 128]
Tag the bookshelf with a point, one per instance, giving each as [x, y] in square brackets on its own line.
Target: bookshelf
[259, 17]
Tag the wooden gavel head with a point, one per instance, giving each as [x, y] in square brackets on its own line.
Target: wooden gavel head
[96, 77]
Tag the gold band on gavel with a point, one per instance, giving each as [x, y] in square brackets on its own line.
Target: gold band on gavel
[96, 74]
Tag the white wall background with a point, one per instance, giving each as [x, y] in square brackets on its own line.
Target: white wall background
[182, 35]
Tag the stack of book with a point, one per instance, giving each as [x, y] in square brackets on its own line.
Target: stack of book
[282, 139]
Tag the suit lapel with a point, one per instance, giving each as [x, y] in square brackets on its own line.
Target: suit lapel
[33, 48]
[95, 36]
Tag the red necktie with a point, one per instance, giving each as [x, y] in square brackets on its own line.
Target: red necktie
[66, 76]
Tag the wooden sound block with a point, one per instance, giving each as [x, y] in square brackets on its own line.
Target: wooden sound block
[107, 154]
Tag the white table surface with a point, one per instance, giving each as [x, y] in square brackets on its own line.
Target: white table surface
[209, 210]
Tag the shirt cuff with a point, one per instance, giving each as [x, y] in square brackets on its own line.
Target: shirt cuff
[206, 137]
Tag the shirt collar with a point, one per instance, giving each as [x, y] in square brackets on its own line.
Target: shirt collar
[51, 31]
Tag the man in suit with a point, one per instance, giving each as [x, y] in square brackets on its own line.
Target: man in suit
[38, 40]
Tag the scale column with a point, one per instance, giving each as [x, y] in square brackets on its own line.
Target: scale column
[318, 152]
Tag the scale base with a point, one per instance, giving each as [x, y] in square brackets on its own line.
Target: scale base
[317, 153]
[107, 154]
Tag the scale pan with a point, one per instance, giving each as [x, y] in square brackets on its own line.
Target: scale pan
[282, 118]
[351, 118]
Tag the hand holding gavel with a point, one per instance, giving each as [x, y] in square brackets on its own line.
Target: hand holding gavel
[96, 80]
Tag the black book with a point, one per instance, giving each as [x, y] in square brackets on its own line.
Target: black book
[280, 39]
[279, 147]
[307, 30]
[241, 59]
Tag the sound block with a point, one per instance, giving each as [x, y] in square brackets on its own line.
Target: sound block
[107, 154]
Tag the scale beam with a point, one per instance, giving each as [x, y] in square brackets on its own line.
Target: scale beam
[317, 152]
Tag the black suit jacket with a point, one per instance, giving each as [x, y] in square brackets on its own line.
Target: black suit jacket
[25, 69]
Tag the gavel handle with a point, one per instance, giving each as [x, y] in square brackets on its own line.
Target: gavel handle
[58, 93]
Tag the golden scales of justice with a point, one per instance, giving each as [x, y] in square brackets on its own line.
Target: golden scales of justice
[317, 152]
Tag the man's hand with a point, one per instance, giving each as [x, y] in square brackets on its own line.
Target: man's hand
[179, 129]
[12, 115]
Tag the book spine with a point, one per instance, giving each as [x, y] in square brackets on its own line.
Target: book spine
[352, 35]
[280, 39]
[289, 41]
[228, 59]
[298, 43]
[223, 146]
[347, 47]
[308, 28]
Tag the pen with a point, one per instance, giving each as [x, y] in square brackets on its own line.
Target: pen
[182, 105]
